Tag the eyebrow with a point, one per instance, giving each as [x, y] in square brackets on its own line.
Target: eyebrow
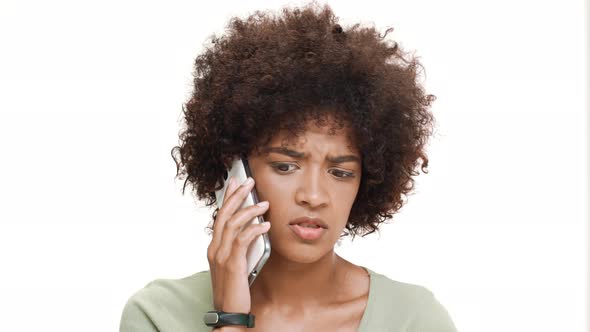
[301, 155]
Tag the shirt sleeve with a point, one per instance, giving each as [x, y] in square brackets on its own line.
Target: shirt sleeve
[432, 317]
[135, 319]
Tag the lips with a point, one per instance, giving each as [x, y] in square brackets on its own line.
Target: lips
[307, 233]
[308, 229]
[309, 222]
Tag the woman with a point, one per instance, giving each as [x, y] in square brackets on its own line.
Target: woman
[333, 124]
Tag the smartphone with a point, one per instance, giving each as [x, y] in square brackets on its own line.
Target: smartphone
[259, 250]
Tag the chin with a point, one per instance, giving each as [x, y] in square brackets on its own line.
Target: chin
[292, 249]
[299, 257]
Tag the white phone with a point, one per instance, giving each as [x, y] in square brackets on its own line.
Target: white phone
[259, 250]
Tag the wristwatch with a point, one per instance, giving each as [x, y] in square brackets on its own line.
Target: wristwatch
[220, 318]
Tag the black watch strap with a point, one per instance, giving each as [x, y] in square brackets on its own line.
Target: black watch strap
[220, 318]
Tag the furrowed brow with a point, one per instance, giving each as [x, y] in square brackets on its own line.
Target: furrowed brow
[301, 155]
[285, 151]
[343, 159]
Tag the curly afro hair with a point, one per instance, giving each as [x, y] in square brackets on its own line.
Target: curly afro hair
[271, 72]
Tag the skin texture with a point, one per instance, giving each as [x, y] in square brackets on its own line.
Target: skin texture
[303, 279]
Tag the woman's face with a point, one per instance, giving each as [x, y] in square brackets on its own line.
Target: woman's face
[318, 177]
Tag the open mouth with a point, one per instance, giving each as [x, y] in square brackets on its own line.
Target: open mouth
[308, 225]
[308, 232]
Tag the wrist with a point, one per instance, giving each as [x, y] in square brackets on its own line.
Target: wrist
[230, 329]
[239, 309]
[228, 321]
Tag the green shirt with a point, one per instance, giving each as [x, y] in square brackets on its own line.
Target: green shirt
[178, 305]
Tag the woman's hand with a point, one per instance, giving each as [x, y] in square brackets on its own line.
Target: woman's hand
[227, 251]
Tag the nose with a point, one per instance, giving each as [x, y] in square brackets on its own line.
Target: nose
[312, 190]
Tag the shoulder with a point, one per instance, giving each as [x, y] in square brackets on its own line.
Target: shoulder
[411, 306]
[169, 304]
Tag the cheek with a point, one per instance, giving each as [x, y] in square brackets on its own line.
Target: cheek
[266, 186]
[346, 194]
[345, 197]
[277, 191]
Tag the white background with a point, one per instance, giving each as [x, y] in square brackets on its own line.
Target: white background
[90, 107]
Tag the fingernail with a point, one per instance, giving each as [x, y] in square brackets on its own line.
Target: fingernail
[263, 204]
[248, 181]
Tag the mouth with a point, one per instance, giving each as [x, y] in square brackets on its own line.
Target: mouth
[309, 222]
[308, 233]
[308, 229]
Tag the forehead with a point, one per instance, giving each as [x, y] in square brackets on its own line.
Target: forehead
[313, 135]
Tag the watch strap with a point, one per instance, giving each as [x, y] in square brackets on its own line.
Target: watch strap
[221, 318]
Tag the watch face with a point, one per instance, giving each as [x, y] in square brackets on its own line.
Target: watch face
[211, 318]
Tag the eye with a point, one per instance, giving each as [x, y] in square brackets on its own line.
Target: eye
[341, 174]
[283, 168]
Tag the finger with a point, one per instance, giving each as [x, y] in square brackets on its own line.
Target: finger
[239, 188]
[231, 187]
[234, 227]
[234, 201]
[237, 263]
[238, 222]
[217, 225]
[244, 239]
[228, 209]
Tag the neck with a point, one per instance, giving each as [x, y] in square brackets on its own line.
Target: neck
[295, 286]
